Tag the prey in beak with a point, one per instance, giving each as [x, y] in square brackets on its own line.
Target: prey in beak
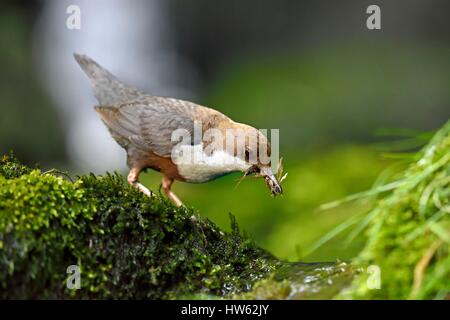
[272, 182]
[273, 185]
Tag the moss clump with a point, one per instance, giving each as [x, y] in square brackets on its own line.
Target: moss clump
[11, 168]
[409, 230]
[126, 245]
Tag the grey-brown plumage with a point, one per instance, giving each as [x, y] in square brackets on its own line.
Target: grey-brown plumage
[107, 89]
[143, 125]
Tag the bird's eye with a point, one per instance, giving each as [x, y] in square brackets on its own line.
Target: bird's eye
[255, 169]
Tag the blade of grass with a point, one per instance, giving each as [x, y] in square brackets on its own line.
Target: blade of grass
[361, 226]
[364, 194]
[439, 231]
[332, 234]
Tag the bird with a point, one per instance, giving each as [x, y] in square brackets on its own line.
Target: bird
[144, 125]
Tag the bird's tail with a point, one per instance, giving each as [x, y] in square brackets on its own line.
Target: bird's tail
[108, 89]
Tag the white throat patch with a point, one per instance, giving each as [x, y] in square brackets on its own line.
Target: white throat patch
[196, 166]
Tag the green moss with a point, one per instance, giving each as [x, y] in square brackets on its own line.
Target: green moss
[127, 245]
[11, 168]
[130, 246]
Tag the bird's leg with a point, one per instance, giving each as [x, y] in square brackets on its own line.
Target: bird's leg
[133, 180]
[166, 185]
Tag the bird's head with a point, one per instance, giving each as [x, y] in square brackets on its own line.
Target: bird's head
[257, 155]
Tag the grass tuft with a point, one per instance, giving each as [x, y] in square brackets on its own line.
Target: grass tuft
[407, 228]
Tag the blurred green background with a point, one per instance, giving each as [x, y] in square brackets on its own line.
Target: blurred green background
[310, 68]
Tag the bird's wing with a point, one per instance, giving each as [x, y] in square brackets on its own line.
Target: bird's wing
[148, 124]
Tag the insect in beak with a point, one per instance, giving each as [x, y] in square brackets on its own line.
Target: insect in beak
[273, 185]
[272, 182]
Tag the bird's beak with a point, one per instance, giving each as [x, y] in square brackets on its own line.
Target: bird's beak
[271, 182]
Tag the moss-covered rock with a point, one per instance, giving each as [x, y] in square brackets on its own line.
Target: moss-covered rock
[126, 244]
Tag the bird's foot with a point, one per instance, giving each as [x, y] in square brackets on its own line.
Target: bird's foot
[133, 180]
[166, 185]
[142, 189]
